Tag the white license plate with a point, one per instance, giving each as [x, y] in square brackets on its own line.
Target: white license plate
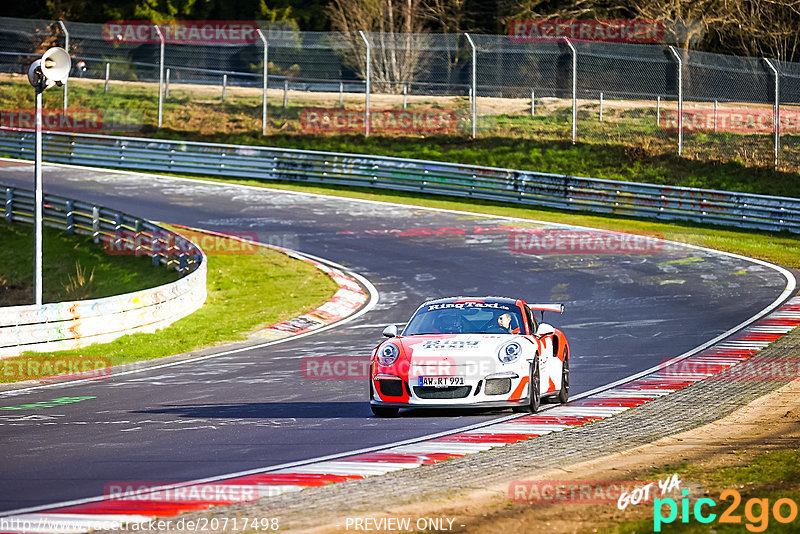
[441, 381]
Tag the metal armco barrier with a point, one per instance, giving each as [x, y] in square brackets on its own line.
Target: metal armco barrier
[66, 325]
[742, 210]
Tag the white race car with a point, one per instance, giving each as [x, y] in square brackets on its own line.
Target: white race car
[471, 352]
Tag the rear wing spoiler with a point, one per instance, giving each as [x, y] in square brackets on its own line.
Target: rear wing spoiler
[558, 308]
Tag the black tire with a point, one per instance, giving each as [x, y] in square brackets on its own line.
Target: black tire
[384, 411]
[535, 393]
[536, 399]
[563, 395]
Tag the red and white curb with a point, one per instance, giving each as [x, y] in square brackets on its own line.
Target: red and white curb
[345, 302]
[144, 507]
[347, 299]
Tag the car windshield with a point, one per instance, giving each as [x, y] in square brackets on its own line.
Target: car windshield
[465, 318]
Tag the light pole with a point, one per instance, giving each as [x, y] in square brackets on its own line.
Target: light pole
[53, 69]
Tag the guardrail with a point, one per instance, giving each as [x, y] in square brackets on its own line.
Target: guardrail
[65, 325]
[742, 210]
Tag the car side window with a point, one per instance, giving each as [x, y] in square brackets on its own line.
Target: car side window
[531, 319]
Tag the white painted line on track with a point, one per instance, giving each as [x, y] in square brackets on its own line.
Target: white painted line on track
[414, 445]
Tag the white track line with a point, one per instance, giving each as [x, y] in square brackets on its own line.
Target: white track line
[413, 446]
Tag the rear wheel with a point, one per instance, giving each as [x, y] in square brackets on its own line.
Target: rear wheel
[563, 395]
[384, 411]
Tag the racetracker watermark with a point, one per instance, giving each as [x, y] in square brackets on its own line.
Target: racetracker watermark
[236, 32]
[55, 369]
[129, 243]
[578, 491]
[334, 368]
[355, 368]
[74, 120]
[176, 492]
[563, 241]
[739, 120]
[610, 31]
[779, 369]
[318, 120]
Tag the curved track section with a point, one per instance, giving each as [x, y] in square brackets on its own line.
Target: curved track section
[625, 313]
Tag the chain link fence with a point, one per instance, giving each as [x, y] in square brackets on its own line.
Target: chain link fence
[655, 99]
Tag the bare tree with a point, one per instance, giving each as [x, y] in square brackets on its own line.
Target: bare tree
[399, 41]
[687, 21]
[567, 10]
[451, 16]
[767, 28]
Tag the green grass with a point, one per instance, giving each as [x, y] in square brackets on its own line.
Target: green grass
[626, 146]
[773, 475]
[73, 268]
[245, 293]
[612, 161]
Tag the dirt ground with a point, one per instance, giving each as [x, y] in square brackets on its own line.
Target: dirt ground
[769, 423]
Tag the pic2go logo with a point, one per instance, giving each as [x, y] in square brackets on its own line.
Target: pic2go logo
[756, 511]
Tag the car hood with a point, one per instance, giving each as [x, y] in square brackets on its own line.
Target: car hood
[455, 345]
[447, 354]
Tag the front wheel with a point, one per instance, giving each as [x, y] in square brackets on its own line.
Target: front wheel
[535, 392]
[563, 395]
[384, 411]
[535, 388]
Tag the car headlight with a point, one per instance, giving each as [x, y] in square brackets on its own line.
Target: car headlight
[388, 353]
[509, 352]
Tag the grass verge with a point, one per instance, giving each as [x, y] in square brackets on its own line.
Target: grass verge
[628, 145]
[73, 268]
[766, 478]
[246, 292]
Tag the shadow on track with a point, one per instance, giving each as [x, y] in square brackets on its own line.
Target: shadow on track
[303, 410]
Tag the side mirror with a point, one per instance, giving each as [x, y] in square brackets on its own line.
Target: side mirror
[390, 331]
[545, 329]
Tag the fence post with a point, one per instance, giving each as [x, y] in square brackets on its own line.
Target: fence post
[716, 114]
[658, 110]
[285, 94]
[96, 224]
[38, 204]
[680, 98]
[160, 75]
[474, 110]
[166, 84]
[70, 218]
[574, 90]
[601, 106]
[118, 230]
[533, 102]
[66, 47]
[405, 95]
[341, 94]
[224, 85]
[776, 110]
[265, 82]
[108, 67]
[9, 205]
[367, 81]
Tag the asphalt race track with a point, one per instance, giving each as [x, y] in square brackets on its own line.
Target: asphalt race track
[624, 313]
